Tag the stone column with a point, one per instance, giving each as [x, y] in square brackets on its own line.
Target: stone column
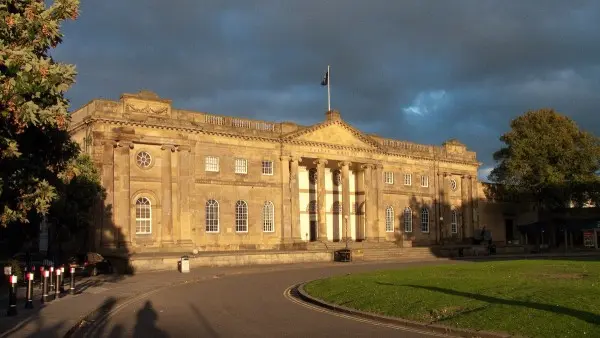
[368, 217]
[167, 195]
[107, 235]
[359, 199]
[379, 208]
[125, 228]
[345, 200]
[474, 203]
[295, 197]
[441, 177]
[185, 182]
[286, 203]
[434, 222]
[321, 196]
[468, 219]
[464, 198]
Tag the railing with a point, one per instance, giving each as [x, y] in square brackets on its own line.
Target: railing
[212, 119]
[239, 123]
[406, 145]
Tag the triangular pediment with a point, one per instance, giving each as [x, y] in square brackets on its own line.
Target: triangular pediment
[335, 133]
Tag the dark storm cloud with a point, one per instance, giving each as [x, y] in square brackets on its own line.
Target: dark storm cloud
[422, 71]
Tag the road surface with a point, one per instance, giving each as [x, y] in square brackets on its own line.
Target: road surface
[248, 305]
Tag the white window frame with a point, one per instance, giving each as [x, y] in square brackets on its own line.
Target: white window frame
[211, 164]
[408, 220]
[389, 219]
[407, 179]
[268, 217]
[424, 181]
[143, 207]
[212, 216]
[454, 222]
[143, 159]
[241, 166]
[425, 220]
[241, 216]
[388, 177]
[267, 167]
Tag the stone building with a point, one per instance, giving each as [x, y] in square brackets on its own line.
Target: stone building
[180, 180]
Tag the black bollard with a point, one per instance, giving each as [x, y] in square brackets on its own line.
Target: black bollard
[62, 279]
[12, 297]
[42, 274]
[45, 297]
[72, 281]
[57, 286]
[29, 301]
[33, 272]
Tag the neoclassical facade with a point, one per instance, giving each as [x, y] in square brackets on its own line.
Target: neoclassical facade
[180, 180]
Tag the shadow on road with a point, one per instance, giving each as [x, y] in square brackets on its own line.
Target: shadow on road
[145, 325]
[210, 331]
[589, 317]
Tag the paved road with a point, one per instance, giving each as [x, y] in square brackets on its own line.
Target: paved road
[251, 305]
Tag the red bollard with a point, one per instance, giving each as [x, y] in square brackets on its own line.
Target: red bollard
[12, 297]
[29, 301]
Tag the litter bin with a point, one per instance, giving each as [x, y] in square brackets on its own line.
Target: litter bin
[184, 264]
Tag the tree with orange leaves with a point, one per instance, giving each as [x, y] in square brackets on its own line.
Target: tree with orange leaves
[36, 152]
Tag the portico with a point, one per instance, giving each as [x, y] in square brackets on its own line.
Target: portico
[337, 199]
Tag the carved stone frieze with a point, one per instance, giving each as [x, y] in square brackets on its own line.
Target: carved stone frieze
[147, 109]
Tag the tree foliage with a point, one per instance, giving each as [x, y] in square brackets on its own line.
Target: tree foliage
[36, 153]
[547, 160]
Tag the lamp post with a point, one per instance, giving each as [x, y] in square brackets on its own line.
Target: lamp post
[346, 220]
[441, 227]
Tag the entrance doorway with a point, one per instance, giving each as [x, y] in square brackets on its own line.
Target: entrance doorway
[313, 231]
[509, 230]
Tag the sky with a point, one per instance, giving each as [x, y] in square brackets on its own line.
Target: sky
[422, 71]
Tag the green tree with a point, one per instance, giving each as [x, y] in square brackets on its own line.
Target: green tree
[36, 153]
[547, 160]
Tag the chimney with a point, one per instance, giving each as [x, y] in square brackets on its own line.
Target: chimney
[333, 115]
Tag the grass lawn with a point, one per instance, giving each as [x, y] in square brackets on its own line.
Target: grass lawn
[534, 298]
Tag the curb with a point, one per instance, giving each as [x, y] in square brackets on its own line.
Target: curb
[434, 328]
[526, 256]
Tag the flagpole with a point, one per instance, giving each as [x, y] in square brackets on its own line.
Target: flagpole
[328, 89]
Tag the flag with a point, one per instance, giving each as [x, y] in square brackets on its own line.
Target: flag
[325, 81]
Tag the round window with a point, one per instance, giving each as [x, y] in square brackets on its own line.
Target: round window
[453, 184]
[143, 159]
